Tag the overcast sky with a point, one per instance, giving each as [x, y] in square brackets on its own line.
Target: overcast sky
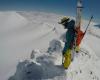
[64, 7]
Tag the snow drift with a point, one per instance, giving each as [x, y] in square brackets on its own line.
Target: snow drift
[45, 66]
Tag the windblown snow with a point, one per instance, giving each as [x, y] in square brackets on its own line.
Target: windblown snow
[31, 45]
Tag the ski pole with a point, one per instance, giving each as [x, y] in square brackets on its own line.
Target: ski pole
[88, 24]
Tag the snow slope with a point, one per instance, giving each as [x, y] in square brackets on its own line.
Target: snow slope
[21, 32]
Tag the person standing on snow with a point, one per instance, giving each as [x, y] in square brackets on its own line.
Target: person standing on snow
[70, 35]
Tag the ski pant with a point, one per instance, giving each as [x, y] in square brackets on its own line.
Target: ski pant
[67, 60]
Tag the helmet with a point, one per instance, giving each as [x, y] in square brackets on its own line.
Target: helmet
[64, 19]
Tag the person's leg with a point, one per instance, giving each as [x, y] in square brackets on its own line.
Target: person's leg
[67, 57]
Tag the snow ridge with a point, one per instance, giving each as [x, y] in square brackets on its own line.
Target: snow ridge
[47, 66]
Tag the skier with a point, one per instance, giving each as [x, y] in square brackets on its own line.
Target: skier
[70, 34]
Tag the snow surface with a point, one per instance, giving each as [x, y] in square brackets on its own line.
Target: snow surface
[38, 34]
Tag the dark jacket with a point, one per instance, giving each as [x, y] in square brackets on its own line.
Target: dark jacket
[70, 35]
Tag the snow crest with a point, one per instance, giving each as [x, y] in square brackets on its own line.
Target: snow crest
[47, 66]
[39, 68]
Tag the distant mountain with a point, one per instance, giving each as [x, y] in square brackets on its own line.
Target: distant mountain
[97, 25]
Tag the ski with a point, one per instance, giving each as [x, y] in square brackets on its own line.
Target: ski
[78, 14]
[78, 17]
